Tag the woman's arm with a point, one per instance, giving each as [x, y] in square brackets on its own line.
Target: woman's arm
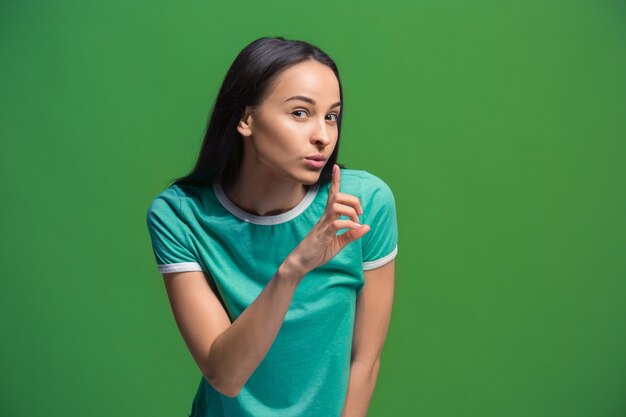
[373, 312]
[228, 354]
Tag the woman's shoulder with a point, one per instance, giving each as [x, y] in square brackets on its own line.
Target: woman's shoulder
[166, 202]
[173, 198]
[360, 180]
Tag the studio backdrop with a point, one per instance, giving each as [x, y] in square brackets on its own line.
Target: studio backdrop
[500, 126]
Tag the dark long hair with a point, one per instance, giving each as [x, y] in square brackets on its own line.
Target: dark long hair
[251, 75]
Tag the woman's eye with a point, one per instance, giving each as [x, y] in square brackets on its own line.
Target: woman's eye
[305, 112]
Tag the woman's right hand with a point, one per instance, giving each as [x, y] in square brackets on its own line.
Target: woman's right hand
[322, 243]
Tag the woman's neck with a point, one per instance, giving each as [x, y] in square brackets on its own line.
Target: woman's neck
[263, 197]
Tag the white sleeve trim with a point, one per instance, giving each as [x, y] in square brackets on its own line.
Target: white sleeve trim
[179, 267]
[382, 261]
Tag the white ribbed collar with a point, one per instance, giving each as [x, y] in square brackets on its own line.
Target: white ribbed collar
[265, 220]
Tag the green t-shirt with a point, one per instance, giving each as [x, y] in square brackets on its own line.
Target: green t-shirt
[306, 370]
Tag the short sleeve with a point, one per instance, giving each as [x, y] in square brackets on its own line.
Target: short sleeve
[169, 235]
[380, 244]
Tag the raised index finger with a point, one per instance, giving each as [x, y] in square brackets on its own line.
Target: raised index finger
[334, 183]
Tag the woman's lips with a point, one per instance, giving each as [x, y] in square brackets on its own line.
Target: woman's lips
[315, 164]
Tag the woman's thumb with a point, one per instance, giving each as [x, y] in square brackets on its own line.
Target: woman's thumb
[353, 234]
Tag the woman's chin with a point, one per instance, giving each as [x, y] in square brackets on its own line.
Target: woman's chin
[310, 177]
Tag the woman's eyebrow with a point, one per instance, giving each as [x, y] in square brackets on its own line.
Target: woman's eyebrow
[309, 100]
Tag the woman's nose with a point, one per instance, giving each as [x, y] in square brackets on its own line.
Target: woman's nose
[321, 140]
[321, 135]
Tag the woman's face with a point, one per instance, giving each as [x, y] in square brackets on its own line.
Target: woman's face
[286, 129]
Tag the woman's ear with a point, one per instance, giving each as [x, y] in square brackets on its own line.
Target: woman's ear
[245, 123]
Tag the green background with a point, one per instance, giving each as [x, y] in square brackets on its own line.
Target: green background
[500, 126]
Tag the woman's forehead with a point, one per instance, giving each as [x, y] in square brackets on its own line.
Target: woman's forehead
[314, 81]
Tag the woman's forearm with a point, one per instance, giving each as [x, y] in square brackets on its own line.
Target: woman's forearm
[360, 389]
[237, 352]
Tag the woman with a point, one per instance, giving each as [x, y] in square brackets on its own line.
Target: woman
[266, 285]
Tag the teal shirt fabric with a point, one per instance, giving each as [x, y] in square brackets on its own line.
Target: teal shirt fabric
[306, 370]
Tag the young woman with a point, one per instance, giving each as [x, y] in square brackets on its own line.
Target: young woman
[278, 265]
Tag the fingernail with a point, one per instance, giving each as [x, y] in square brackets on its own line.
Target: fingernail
[357, 225]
